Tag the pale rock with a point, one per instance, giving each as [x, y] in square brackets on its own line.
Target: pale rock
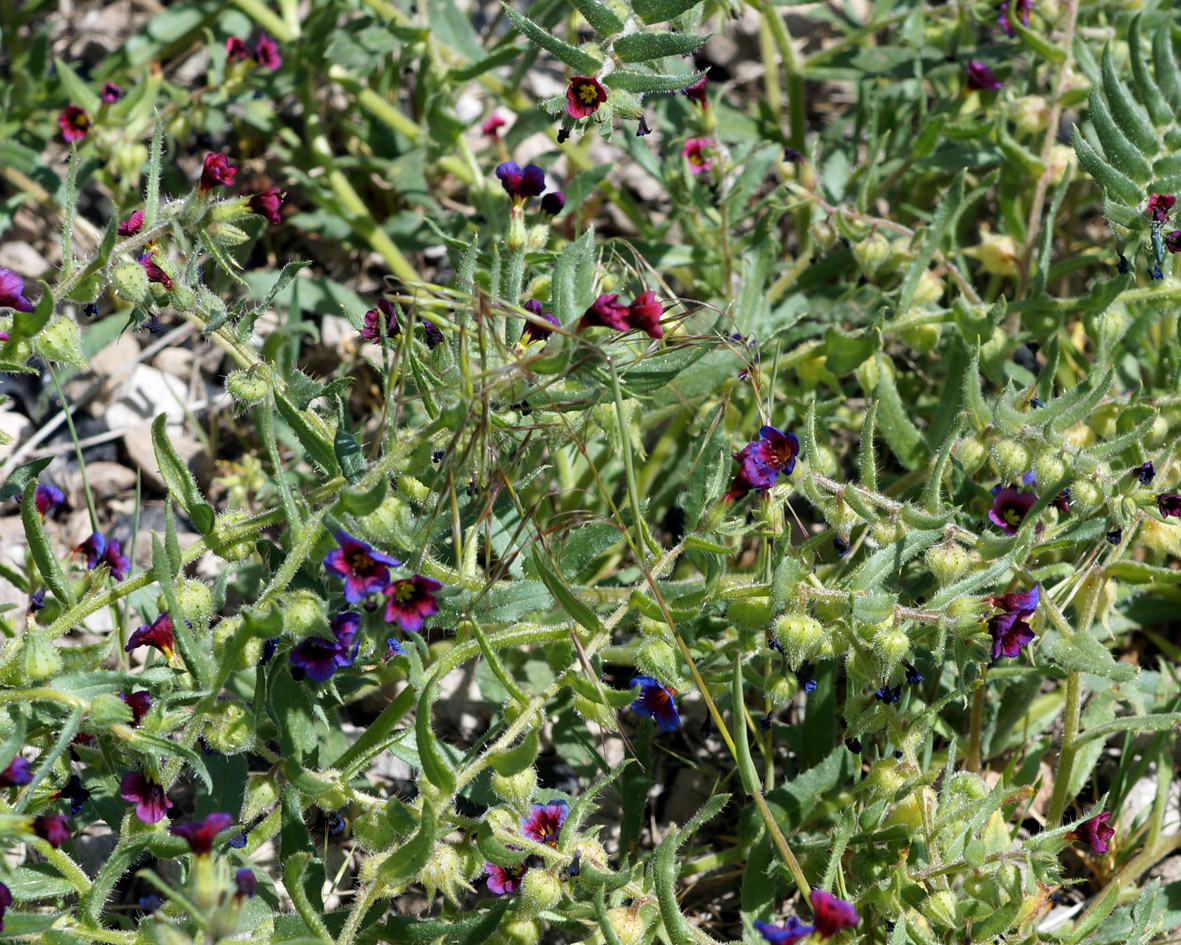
[25, 261]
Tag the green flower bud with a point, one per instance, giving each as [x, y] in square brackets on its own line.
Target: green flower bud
[303, 614]
[1157, 433]
[108, 709]
[248, 387]
[194, 598]
[261, 793]
[224, 632]
[841, 517]
[627, 925]
[390, 518]
[330, 791]
[230, 728]
[130, 283]
[515, 238]
[59, 341]
[238, 549]
[885, 778]
[800, 637]
[923, 337]
[863, 670]
[540, 890]
[442, 872]
[227, 211]
[966, 785]
[225, 234]
[656, 658]
[1048, 469]
[130, 160]
[536, 238]
[870, 253]
[517, 932]
[939, 908]
[947, 562]
[1085, 496]
[38, 657]
[1031, 114]
[750, 613]
[890, 645]
[822, 234]
[971, 453]
[886, 532]
[414, 490]
[183, 298]
[781, 689]
[929, 290]
[517, 789]
[539, 287]
[1011, 459]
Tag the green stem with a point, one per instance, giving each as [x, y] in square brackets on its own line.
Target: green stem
[361, 905]
[1070, 722]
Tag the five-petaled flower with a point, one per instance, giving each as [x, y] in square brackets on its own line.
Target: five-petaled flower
[409, 601]
[111, 93]
[158, 634]
[1169, 504]
[1009, 507]
[364, 570]
[54, 829]
[1010, 629]
[74, 124]
[1146, 473]
[1095, 831]
[266, 53]
[153, 270]
[644, 312]
[151, 803]
[386, 312]
[831, 914]
[12, 291]
[1158, 207]
[520, 183]
[200, 834]
[320, 657]
[584, 96]
[761, 462]
[18, 772]
[46, 498]
[696, 92]
[132, 225]
[236, 49]
[655, 702]
[98, 550]
[886, 695]
[505, 879]
[267, 204]
[697, 152]
[216, 171]
[980, 77]
[544, 822]
[534, 331]
[791, 932]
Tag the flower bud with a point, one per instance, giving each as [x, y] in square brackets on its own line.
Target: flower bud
[863, 669]
[841, 517]
[1031, 114]
[971, 453]
[923, 337]
[37, 659]
[540, 890]
[517, 932]
[373, 830]
[966, 785]
[822, 233]
[1162, 537]
[888, 531]
[629, 928]
[516, 789]
[781, 689]
[1048, 469]
[303, 614]
[239, 549]
[870, 253]
[229, 729]
[225, 234]
[414, 490]
[1011, 459]
[130, 160]
[389, 518]
[750, 613]
[130, 283]
[261, 793]
[1060, 164]
[248, 387]
[885, 778]
[515, 239]
[800, 637]
[183, 298]
[330, 791]
[536, 238]
[442, 872]
[59, 341]
[108, 709]
[194, 599]
[1086, 496]
[947, 562]
[890, 645]
[1080, 436]
[656, 658]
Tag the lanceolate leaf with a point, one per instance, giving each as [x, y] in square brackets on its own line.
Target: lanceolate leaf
[1128, 115]
[658, 11]
[646, 45]
[1147, 91]
[645, 83]
[602, 18]
[575, 58]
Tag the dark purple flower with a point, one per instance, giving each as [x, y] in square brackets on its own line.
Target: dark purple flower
[434, 337]
[118, 562]
[584, 96]
[1023, 603]
[1169, 505]
[158, 634]
[1062, 501]
[111, 93]
[1154, 273]
[761, 461]
[644, 313]
[1009, 632]
[364, 570]
[533, 331]
[980, 77]
[841, 546]
[151, 803]
[1158, 207]
[318, 658]
[18, 772]
[149, 903]
[791, 932]
[886, 695]
[238, 840]
[1173, 241]
[266, 53]
[153, 270]
[504, 879]
[605, 312]
[642, 128]
[1095, 831]
[12, 291]
[217, 171]
[75, 793]
[1115, 536]
[544, 822]
[373, 320]
[409, 601]
[913, 676]
[94, 548]
[47, 498]
[792, 156]
[36, 601]
[246, 882]
[553, 202]
[1123, 267]
[1146, 473]
[696, 92]
[697, 152]
[74, 124]
[139, 702]
[54, 829]
[201, 834]
[832, 914]
[491, 127]
[521, 183]
[1009, 508]
[267, 204]
[655, 702]
[5, 902]
[132, 225]
[236, 49]
[805, 678]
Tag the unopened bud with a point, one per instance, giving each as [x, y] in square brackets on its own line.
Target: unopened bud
[1085, 496]
[229, 729]
[656, 658]
[1012, 460]
[303, 614]
[781, 689]
[515, 789]
[629, 928]
[413, 489]
[800, 637]
[870, 253]
[515, 239]
[130, 283]
[947, 562]
[750, 613]
[240, 548]
[971, 453]
[540, 890]
[108, 709]
[59, 341]
[822, 233]
[891, 645]
[1031, 114]
[248, 387]
[1048, 469]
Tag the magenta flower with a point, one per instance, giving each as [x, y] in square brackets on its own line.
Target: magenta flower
[1010, 632]
[832, 914]
[216, 171]
[153, 270]
[1169, 505]
[318, 657]
[504, 879]
[267, 205]
[12, 291]
[645, 313]
[751, 476]
[1009, 508]
[696, 92]
[364, 570]
[1023, 603]
[373, 317]
[655, 702]
[266, 53]
[158, 634]
[140, 702]
[410, 601]
[791, 932]
[696, 152]
[74, 124]
[236, 49]
[1095, 831]
[980, 78]
[111, 93]
[201, 834]
[584, 96]
[607, 313]
[1159, 206]
[553, 203]
[544, 822]
[54, 829]
[47, 498]
[151, 803]
[1173, 241]
[118, 562]
[521, 183]
[533, 331]
[132, 225]
[491, 127]
[761, 462]
[18, 772]
[246, 883]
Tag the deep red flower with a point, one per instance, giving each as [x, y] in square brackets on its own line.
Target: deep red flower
[236, 49]
[111, 93]
[645, 313]
[140, 702]
[1009, 508]
[696, 92]
[520, 183]
[1159, 206]
[696, 152]
[132, 225]
[607, 313]
[12, 291]
[18, 772]
[410, 601]
[792, 931]
[980, 78]
[47, 498]
[1169, 505]
[155, 273]
[544, 822]
[1095, 831]
[832, 914]
[373, 319]
[266, 53]
[158, 634]
[151, 803]
[200, 834]
[655, 702]
[533, 331]
[74, 123]
[492, 126]
[216, 171]
[267, 204]
[364, 570]
[505, 879]
[54, 829]
[584, 96]
[1173, 241]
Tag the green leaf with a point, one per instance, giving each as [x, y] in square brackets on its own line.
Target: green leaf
[751, 782]
[152, 745]
[648, 83]
[1147, 91]
[867, 460]
[319, 449]
[1115, 183]
[1131, 119]
[583, 806]
[1082, 652]
[892, 558]
[659, 11]
[408, 860]
[574, 608]
[179, 478]
[932, 239]
[572, 278]
[25, 473]
[356, 502]
[155, 157]
[898, 430]
[1078, 403]
[602, 18]
[1119, 151]
[78, 92]
[435, 766]
[575, 58]
[664, 876]
[40, 547]
[642, 46]
[515, 760]
[1168, 74]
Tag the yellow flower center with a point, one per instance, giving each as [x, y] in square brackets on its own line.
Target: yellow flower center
[1012, 516]
[588, 93]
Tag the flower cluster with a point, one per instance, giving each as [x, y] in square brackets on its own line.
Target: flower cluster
[266, 52]
[1010, 628]
[762, 461]
[643, 313]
